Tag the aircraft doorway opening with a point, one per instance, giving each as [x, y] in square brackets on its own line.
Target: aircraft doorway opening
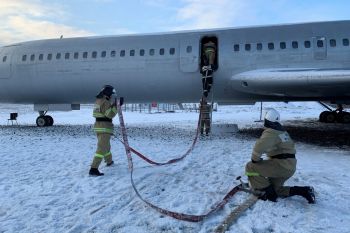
[209, 63]
[320, 48]
[209, 44]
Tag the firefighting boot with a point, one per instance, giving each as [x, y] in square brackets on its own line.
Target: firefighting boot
[269, 194]
[110, 163]
[305, 191]
[108, 160]
[94, 167]
[205, 93]
[95, 172]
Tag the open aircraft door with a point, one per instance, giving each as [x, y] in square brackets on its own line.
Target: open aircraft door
[320, 48]
[5, 66]
[189, 54]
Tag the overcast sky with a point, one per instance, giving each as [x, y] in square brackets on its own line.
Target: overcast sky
[23, 20]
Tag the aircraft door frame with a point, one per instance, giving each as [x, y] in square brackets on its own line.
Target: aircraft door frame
[5, 67]
[189, 54]
[320, 47]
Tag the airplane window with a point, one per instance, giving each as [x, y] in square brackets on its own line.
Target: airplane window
[4, 59]
[172, 51]
[151, 52]
[295, 44]
[259, 46]
[94, 54]
[142, 52]
[307, 44]
[332, 43]
[189, 49]
[66, 56]
[85, 55]
[247, 47]
[236, 47]
[58, 56]
[49, 56]
[103, 54]
[161, 51]
[76, 55]
[271, 45]
[320, 43]
[32, 57]
[41, 57]
[132, 53]
[113, 53]
[122, 53]
[24, 57]
[346, 42]
[283, 45]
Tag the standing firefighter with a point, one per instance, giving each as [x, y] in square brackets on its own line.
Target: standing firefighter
[270, 175]
[209, 53]
[205, 110]
[104, 112]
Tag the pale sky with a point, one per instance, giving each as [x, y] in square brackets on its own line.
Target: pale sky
[23, 20]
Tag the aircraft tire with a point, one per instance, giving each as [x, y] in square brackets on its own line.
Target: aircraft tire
[343, 117]
[41, 121]
[322, 116]
[49, 120]
[330, 117]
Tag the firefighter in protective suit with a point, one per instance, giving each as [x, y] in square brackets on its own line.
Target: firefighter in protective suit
[104, 112]
[270, 175]
[209, 53]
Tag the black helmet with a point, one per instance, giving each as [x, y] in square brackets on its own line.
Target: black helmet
[107, 90]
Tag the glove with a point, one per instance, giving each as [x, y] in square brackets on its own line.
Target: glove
[253, 161]
[121, 101]
[115, 103]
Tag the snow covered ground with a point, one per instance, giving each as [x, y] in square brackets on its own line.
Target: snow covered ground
[45, 187]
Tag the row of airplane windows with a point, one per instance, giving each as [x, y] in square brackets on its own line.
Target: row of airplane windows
[294, 45]
[95, 54]
[151, 52]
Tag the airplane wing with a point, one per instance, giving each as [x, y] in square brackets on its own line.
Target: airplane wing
[298, 83]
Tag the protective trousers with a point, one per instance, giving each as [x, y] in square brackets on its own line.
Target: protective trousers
[271, 172]
[103, 150]
[205, 126]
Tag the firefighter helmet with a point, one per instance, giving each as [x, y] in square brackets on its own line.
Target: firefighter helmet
[272, 115]
[108, 90]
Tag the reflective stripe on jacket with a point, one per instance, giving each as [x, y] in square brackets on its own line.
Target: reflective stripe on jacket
[104, 109]
[209, 46]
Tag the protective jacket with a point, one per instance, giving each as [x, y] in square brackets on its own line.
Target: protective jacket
[272, 143]
[104, 112]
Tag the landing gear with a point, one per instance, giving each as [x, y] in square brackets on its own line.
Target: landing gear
[343, 117]
[44, 120]
[333, 116]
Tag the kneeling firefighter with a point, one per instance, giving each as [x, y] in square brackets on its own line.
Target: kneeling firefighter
[270, 175]
[104, 112]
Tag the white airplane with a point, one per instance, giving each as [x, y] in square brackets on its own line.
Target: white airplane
[295, 62]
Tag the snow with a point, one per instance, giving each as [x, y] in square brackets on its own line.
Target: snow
[45, 187]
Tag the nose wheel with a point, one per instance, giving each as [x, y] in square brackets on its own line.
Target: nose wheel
[44, 120]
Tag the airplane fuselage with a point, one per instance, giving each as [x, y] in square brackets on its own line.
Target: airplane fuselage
[166, 67]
